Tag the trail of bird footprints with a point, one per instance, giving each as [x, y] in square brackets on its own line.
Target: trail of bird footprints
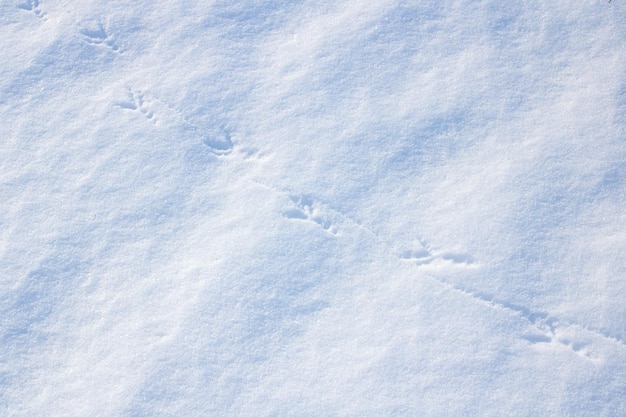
[217, 138]
[544, 330]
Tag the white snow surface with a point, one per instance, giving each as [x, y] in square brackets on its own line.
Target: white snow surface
[312, 208]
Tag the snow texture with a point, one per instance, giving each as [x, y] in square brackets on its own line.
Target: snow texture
[312, 208]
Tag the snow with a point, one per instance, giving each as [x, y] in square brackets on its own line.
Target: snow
[312, 208]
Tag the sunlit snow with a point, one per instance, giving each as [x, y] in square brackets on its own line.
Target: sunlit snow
[312, 208]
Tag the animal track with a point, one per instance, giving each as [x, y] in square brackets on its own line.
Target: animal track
[218, 140]
[565, 337]
[420, 257]
[136, 101]
[33, 6]
[99, 36]
[569, 336]
[546, 330]
[306, 208]
[426, 255]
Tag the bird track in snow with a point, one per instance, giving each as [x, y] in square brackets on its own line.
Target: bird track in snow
[33, 6]
[427, 256]
[545, 329]
[216, 137]
[136, 101]
[98, 35]
[309, 209]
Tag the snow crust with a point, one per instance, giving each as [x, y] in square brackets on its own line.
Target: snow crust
[312, 208]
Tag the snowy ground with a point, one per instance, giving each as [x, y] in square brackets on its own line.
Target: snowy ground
[312, 208]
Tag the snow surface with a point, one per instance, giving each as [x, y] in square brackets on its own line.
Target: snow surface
[312, 208]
